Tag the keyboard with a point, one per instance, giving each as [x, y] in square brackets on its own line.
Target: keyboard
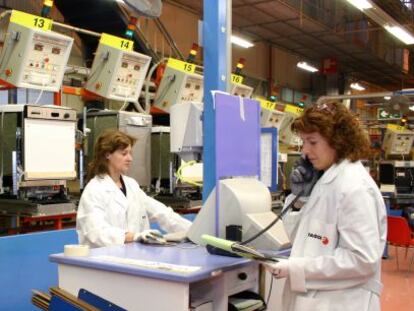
[153, 265]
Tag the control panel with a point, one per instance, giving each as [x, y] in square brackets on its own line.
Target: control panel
[117, 74]
[271, 118]
[241, 90]
[178, 86]
[286, 135]
[51, 113]
[34, 58]
[397, 140]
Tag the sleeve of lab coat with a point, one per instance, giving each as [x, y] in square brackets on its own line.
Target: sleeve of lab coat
[91, 220]
[165, 216]
[357, 256]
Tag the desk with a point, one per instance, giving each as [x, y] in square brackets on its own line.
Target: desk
[138, 288]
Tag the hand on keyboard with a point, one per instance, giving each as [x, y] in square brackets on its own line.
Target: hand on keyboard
[150, 237]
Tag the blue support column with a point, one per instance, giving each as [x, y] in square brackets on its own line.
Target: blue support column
[217, 60]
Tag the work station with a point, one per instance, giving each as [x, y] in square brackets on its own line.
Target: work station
[206, 155]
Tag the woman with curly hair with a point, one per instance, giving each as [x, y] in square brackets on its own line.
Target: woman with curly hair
[338, 225]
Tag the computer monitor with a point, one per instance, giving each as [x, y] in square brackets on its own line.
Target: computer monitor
[245, 203]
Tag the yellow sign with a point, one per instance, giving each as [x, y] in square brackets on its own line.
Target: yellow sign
[181, 66]
[265, 104]
[293, 109]
[236, 79]
[396, 128]
[30, 21]
[117, 42]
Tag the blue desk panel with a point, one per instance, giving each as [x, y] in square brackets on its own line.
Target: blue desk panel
[185, 254]
[24, 265]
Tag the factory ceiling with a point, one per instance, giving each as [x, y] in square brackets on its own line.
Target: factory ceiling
[333, 29]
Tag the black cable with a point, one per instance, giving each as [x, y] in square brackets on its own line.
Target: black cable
[270, 291]
[278, 217]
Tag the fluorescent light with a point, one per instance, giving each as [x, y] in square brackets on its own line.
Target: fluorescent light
[400, 33]
[306, 66]
[361, 4]
[387, 97]
[241, 42]
[357, 86]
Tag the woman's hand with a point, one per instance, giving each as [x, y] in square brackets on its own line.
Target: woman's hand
[129, 237]
[278, 269]
[303, 177]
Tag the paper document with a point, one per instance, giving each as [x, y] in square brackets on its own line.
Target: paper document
[148, 264]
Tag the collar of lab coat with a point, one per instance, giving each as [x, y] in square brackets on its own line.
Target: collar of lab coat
[333, 171]
[110, 186]
[108, 183]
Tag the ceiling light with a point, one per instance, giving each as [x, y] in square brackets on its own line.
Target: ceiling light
[307, 67]
[383, 19]
[400, 33]
[361, 4]
[241, 42]
[387, 97]
[411, 108]
[357, 86]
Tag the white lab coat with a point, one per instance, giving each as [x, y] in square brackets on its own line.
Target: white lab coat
[338, 240]
[105, 213]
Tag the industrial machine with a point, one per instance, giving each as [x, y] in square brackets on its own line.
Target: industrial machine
[32, 57]
[135, 124]
[241, 90]
[162, 158]
[398, 173]
[178, 86]
[286, 135]
[271, 118]
[397, 141]
[397, 144]
[187, 130]
[37, 157]
[117, 72]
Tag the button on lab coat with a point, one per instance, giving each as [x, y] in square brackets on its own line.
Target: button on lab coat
[338, 240]
[105, 213]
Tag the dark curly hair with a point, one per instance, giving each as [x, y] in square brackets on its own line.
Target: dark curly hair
[108, 142]
[339, 126]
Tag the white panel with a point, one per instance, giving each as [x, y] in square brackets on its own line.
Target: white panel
[266, 159]
[49, 149]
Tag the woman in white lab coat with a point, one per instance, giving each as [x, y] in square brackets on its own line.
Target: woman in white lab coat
[338, 226]
[113, 209]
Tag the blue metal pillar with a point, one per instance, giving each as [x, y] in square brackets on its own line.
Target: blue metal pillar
[217, 62]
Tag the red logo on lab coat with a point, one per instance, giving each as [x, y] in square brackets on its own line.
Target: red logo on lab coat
[324, 239]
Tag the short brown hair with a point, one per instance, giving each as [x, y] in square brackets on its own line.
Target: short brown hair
[339, 126]
[108, 142]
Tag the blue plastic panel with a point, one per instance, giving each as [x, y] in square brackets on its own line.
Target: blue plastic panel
[24, 265]
[98, 302]
[237, 136]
